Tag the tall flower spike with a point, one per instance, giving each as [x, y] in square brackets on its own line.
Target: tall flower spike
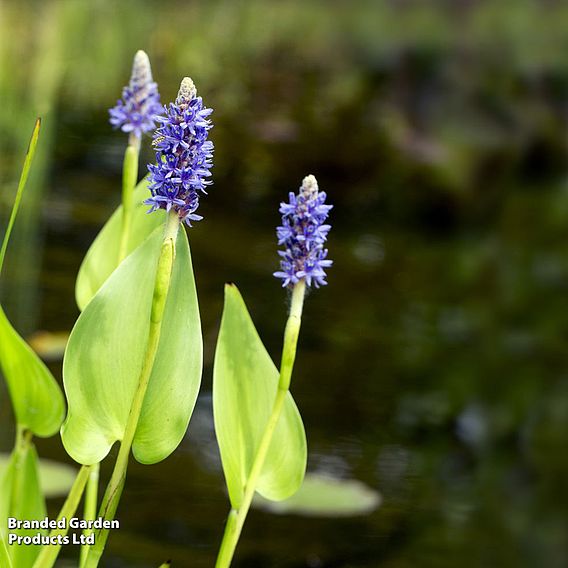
[136, 112]
[183, 155]
[303, 234]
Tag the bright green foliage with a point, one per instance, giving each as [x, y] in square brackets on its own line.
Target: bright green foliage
[55, 478]
[36, 396]
[245, 382]
[103, 359]
[102, 258]
[325, 496]
[21, 497]
[5, 559]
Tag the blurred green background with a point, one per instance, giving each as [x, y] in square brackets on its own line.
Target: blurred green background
[434, 365]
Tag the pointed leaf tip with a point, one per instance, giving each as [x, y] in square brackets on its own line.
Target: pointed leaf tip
[102, 257]
[245, 381]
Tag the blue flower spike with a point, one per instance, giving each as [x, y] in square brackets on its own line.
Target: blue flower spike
[183, 155]
[135, 113]
[303, 233]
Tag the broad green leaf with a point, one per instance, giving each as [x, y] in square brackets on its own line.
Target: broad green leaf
[36, 396]
[102, 257]
[21, 498]
[245, 381]
[325, 496]
[104, 356]
[55, 478]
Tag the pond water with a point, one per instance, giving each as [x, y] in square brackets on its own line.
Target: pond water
[419, 373]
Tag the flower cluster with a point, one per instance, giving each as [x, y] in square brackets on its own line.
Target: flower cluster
[136, 112]
[303, 233]
[183, 156]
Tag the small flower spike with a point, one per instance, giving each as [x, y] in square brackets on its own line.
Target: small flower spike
[136, 112]
[303, 234]
[183, 155]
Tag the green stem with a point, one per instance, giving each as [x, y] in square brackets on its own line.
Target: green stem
[90, 510]
[114, 489]
[21, 447]
[48, 554]
[237, 517]
[129, 179]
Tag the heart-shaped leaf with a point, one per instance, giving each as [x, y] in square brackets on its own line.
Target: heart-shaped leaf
[21, 498]
[104, 355]
[55, 478]
[102, 258]
[325, 496]
[36, 396]
[245, 381]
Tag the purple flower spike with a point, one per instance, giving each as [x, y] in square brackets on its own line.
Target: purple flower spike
[136, 112]
[183, 157]
[303, 233]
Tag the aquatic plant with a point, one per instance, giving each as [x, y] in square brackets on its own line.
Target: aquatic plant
[183, 157]
[135, 113]
[303, 234]
[133, 363]
[150, 315]
[259, 429]
[38, 405]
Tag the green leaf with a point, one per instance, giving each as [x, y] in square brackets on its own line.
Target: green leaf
[325, 496]
[55, 478]
[36, 396]
[104, 357]
[5, 559]
[21, 498]
[245, 381]
[102, 258]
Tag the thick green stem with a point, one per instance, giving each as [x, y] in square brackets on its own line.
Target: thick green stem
[90, 509]
[48, 554]
[114, 489]
[237, 517]
[129, 179]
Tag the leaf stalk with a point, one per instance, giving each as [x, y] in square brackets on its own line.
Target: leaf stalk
[114, 489]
